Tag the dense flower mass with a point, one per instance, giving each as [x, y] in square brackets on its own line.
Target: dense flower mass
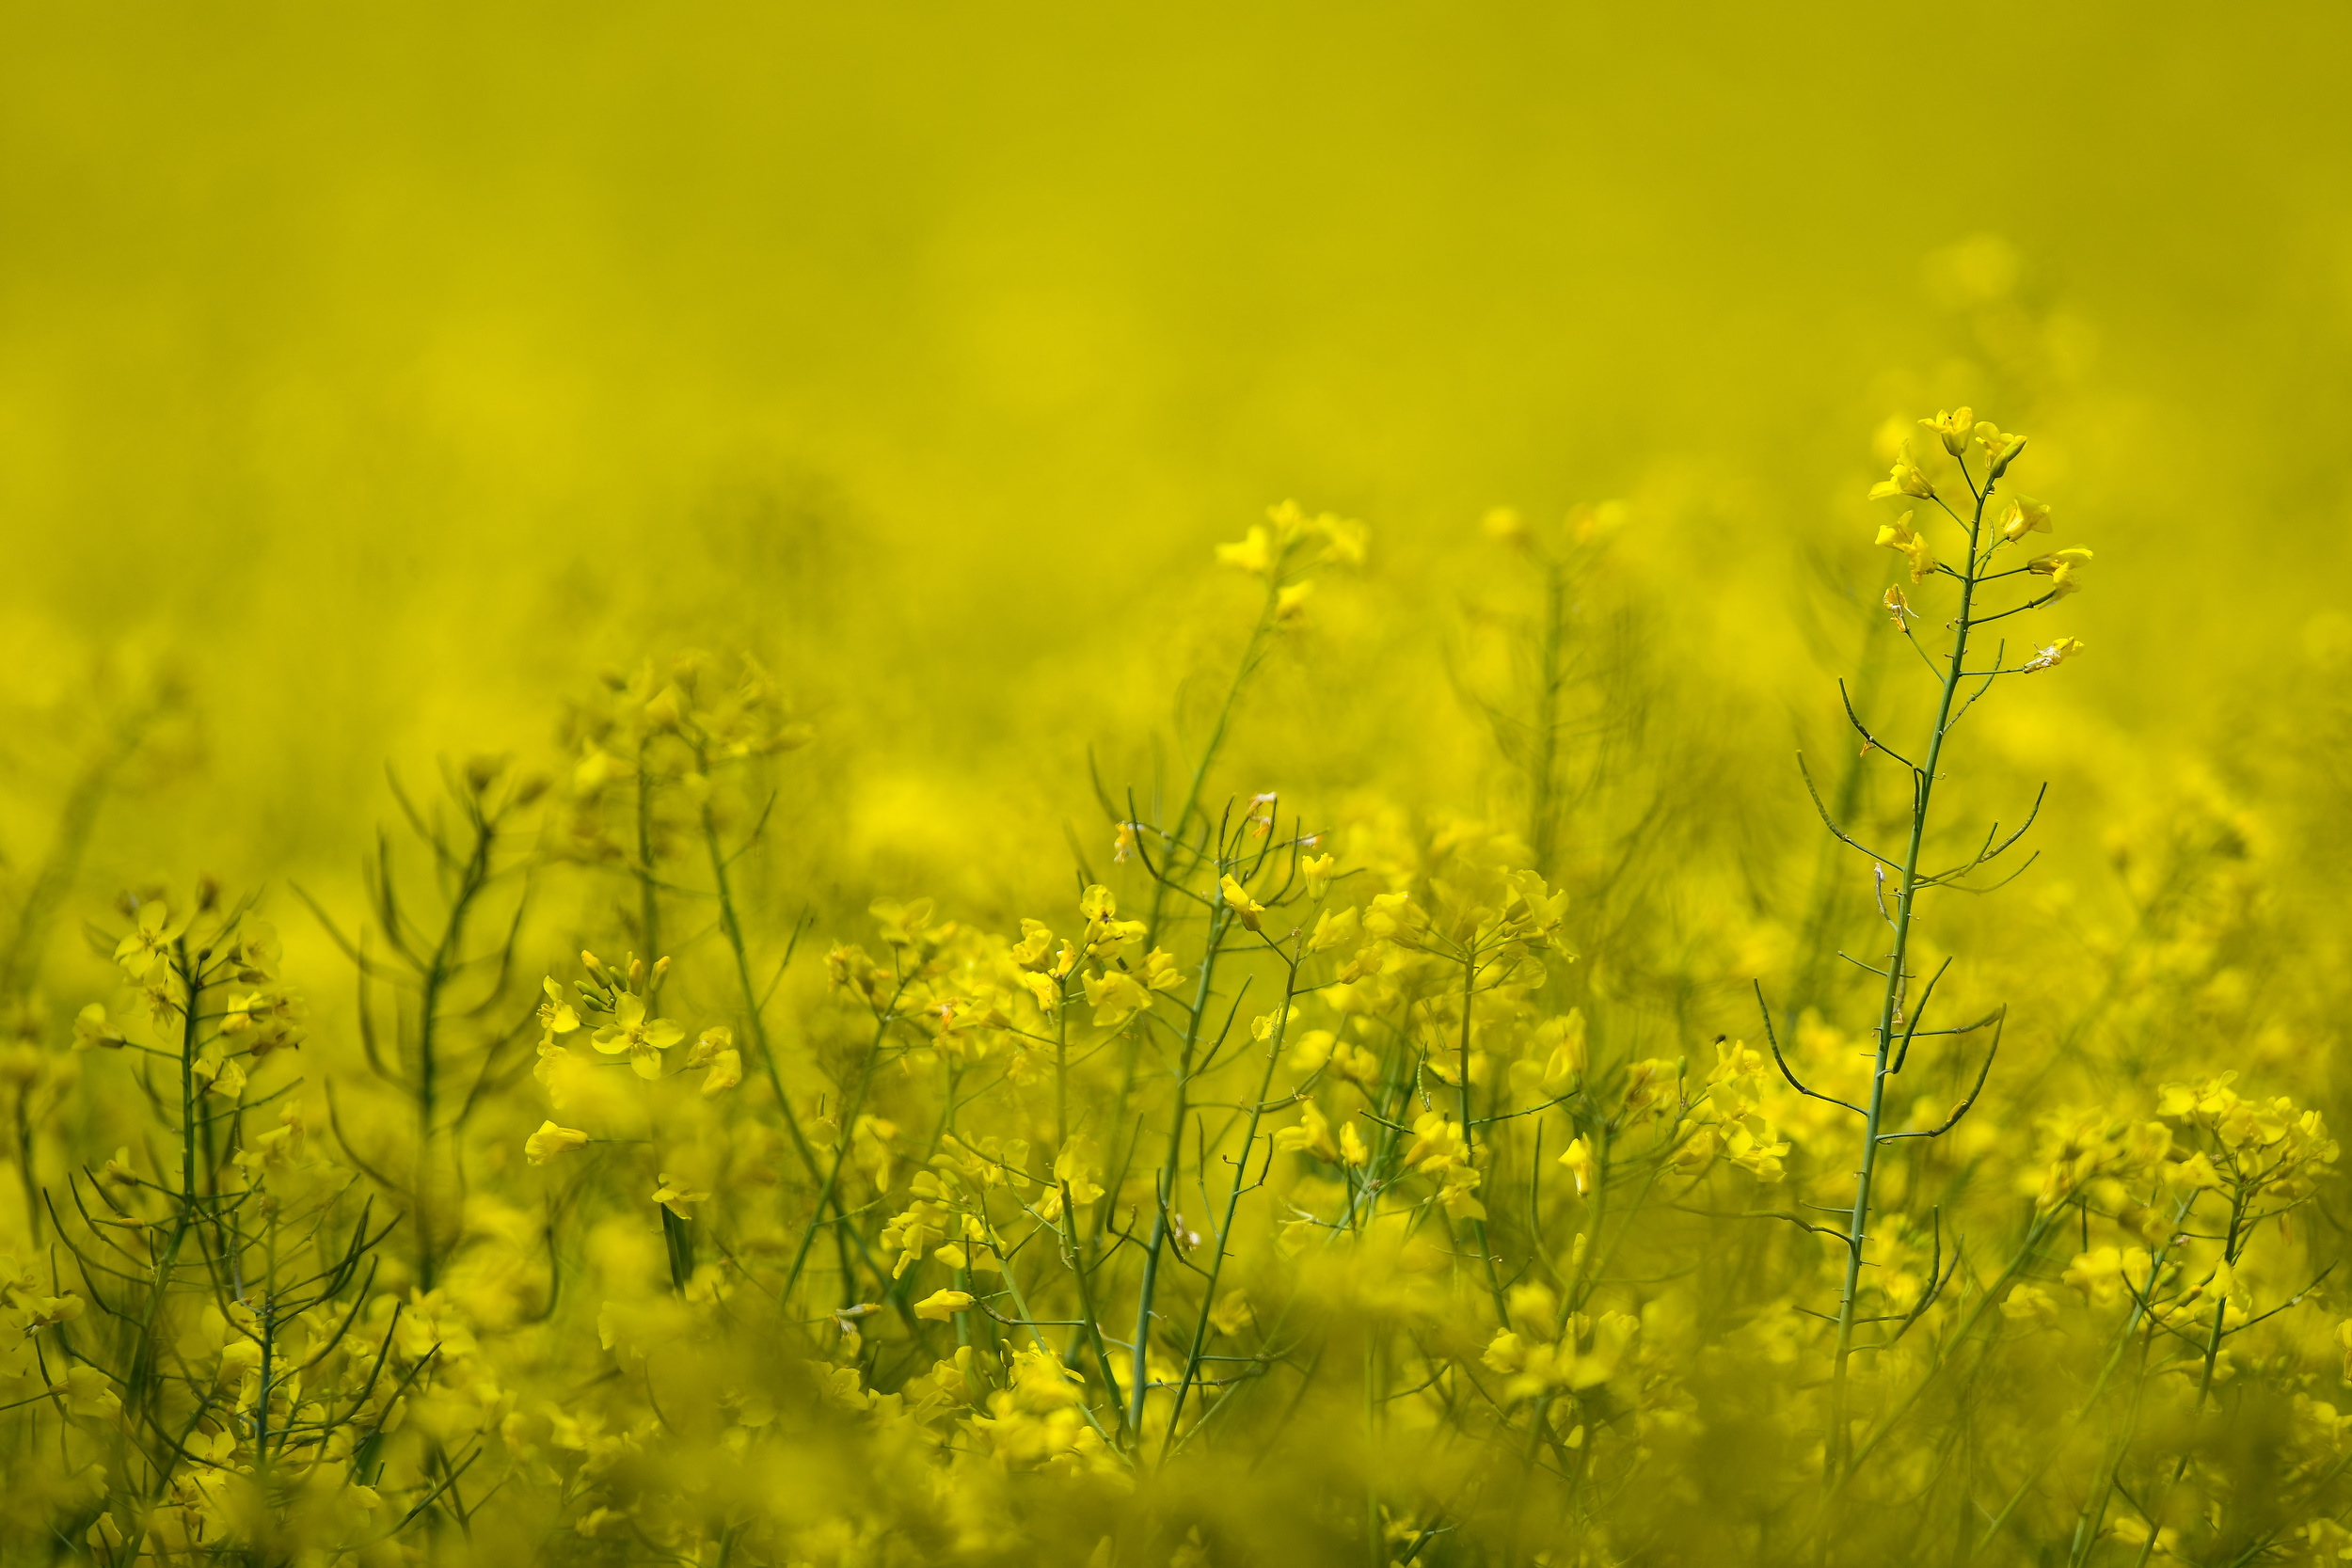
[1320, 1177]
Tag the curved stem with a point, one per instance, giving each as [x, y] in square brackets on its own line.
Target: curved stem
[1164, 1189]
[754, 1017]
[1232, 1207]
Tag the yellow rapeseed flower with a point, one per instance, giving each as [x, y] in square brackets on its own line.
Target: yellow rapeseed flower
[1313, 1135]
[2054, 654]
[1905, 479]
[149, 940]
[2025, 515]
[1252, 553]
[1900, 536]
[2064, 568]
[92, 1031]
[550, 1141]
[642, 1040]
[672, 1194]
[1953, 428]
[1237, 899]
[1116, 996]
[1578, 1163]
[940, 1306]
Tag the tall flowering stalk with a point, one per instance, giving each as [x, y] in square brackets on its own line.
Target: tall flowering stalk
[211, 1373]
[1958, 689]
[448, 1043]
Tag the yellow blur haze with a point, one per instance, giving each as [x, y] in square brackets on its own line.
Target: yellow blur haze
[383, 369]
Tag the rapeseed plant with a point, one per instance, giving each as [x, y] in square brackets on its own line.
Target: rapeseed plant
[1320, 1175]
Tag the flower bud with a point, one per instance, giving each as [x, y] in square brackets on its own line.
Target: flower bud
[2009, 455]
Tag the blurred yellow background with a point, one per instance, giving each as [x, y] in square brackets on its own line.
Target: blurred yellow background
[373, 377]
[385, 369]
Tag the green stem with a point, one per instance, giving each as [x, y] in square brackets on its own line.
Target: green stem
[1086, 1305]
[1028, 1320]
[1543, 804]
[1232, 1206]
[1166, 1185]
[755, 1020]
[827, 1195]
[1890, 1006]
[1374, 1542]
[1174, 837]
[437, 977]
[2204, 1381]
[31, 1181]
[1470, 1146]
[261, 1404]
[2027, 1251]
[648, 897]
[755, 1028]
[142, 1383]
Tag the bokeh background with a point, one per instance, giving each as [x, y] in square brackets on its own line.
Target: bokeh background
[373, 375]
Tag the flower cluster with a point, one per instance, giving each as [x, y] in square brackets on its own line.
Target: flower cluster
[1264, 1174]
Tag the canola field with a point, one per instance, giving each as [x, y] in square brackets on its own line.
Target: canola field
[1512, 787]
